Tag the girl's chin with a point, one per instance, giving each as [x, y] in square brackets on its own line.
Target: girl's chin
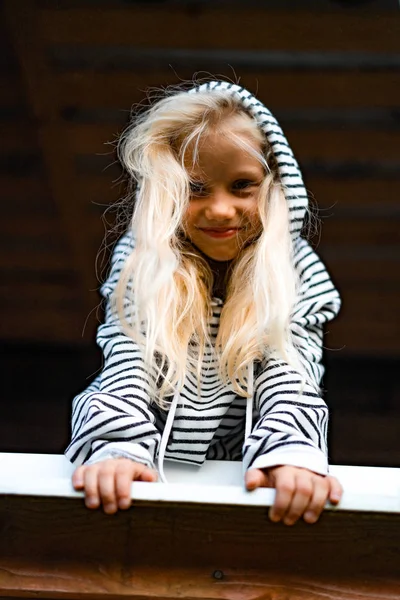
[221, 255]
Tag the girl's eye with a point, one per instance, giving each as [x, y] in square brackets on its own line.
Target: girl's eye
[243, 184]
[197, 188]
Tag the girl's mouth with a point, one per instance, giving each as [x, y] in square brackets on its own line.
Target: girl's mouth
[220, 232]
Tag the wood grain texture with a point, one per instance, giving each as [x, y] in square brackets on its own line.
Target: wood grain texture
[29, 48]
[250, 29]
[56, 548]
[338, 89]
[367, 322]
[11, 96]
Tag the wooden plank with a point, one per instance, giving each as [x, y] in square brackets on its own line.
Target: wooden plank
[38, 261]
[32, 188]
[55, 547]
[277, 89]
[45, 229]
[50, 324]
[11, 93]
[383, 5]
[363, 267]
[21, 294]
[324, 144]
[34, 227]
[378, 232]
[375, 442]
[99, 191]
[29, 47]
[206, 27]
[331, 193]
[18, 137]
[320, 144]
[368, 322]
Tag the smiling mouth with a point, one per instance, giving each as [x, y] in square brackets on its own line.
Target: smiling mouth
[220, 232]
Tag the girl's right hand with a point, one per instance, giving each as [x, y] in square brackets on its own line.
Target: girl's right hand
[109, 482]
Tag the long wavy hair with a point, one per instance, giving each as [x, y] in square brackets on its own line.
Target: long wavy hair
[164, 294]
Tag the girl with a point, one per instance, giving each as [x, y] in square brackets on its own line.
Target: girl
[215, 306]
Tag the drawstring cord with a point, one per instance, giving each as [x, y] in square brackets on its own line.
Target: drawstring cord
[165, 436]
[249, 403]
[171, 415]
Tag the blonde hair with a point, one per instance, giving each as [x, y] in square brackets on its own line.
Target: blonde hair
[163, 297]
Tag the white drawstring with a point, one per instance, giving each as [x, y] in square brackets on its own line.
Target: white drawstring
[249, 403]
[165, 436]
[171, 415]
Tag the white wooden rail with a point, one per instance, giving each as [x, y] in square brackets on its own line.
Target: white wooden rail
[372, 489]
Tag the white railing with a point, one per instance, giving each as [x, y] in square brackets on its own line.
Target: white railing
[372, 489]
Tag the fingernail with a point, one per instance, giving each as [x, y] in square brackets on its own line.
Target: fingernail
[91, 502]
[273, 516]
[110, 508]
[310, 517]
[124, 503]
[335, 498]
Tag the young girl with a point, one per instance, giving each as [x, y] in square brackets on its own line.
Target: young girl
[215, 307]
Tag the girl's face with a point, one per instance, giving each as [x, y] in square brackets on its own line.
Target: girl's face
[222, 216]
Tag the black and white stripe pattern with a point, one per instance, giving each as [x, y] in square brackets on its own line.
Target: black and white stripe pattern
[115, 415]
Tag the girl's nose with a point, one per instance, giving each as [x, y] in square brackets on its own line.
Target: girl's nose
[219, 207]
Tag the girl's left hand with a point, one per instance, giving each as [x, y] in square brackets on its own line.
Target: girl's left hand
[299, 492]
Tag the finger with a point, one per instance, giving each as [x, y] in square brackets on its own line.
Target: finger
[318, 500]
[336, 490]
[285, 487]
[92, 499]
[147, 475]
[124, 475]
[78, 477]
[255, 478]
[304, 489]
[106, 483]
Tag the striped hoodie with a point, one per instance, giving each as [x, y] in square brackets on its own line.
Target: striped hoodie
[278, 425]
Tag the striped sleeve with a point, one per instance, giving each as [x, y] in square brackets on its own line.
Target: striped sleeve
[113, 416]
[292, 427]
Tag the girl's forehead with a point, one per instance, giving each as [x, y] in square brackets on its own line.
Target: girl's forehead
[231, 148]
[218, 162]
[235, 139]
[239, 124]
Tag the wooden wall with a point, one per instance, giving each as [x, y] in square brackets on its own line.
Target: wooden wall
[71, 72]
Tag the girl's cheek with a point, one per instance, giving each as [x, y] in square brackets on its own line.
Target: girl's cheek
[254, 220]
[190, 214]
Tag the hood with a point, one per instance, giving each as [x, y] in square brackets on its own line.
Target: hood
[289, 170]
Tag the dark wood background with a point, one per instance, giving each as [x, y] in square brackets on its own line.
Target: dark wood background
[70, 72]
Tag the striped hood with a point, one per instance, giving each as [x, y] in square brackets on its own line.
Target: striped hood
[289, 171]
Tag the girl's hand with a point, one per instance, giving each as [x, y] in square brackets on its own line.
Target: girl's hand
[109, 482]
[299, 492]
